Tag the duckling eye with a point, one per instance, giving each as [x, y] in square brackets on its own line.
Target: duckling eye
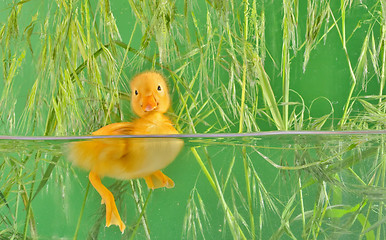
[136, 92]
[159, 88]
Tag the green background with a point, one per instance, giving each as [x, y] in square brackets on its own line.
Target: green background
[65, 72]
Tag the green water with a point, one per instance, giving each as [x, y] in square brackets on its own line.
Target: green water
[244, 66]
[305, 186]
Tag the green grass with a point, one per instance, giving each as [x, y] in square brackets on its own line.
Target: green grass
[232, 66]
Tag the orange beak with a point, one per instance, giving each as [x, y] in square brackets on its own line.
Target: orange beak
[149, 103]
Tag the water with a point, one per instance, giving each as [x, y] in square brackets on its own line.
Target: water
[275, 184]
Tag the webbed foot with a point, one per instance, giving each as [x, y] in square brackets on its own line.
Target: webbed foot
[112, 215]
[158, 180]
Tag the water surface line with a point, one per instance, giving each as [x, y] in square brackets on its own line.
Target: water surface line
[199, 135]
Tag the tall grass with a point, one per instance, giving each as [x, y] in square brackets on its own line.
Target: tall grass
[233, 66]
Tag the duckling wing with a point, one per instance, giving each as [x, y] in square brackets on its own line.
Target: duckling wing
[122, 128]
[101, 155]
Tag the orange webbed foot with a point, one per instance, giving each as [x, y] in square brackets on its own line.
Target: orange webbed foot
[112, 215]
[158, 180]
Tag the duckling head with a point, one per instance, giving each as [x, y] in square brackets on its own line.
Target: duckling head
[149, 93]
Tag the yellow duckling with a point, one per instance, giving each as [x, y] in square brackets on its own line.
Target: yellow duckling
[132, 158]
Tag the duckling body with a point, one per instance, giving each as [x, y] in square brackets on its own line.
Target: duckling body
[129, 158]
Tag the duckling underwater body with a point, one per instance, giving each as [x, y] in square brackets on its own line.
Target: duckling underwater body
[128, 158]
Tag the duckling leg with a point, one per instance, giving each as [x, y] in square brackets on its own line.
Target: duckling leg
[158, 180]
[112, 215]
